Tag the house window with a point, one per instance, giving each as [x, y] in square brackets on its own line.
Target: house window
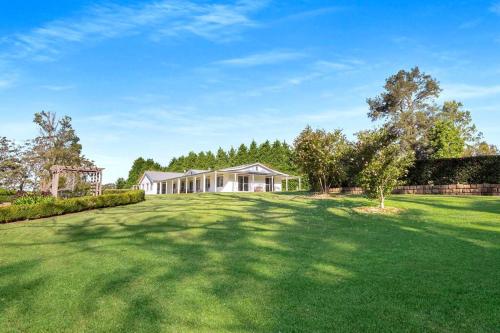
[174, 188]
[183, 186]
[243, 183]
[157, 188]
[220, 181]
[198, 185]
[207, 184]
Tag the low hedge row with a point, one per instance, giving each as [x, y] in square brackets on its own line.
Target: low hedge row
[447, 171]
[115, 190]
[64, 206]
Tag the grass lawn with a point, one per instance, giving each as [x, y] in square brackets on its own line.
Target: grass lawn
[256, 263]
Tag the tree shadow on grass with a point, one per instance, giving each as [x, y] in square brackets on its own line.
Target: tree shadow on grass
[226, 262]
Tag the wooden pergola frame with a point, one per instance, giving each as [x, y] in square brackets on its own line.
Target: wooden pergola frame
[94, 173]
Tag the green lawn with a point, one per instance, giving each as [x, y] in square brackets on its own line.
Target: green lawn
[256, 263]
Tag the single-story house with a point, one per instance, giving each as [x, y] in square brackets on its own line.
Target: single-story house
[254, 177]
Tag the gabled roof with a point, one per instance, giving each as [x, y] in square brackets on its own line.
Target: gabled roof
[254, 168]
[158, 176]
[192, 172]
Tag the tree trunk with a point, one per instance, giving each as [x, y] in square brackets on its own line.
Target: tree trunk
[325, 186]
[382, 204]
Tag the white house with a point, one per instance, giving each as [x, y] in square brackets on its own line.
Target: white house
[254, 177]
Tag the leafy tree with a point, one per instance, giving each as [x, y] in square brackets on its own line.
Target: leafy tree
[446, 140]
[386, 165]
[253, 152]
[57, 143]
[265, 152]
[222, 160]
[121, 183]
[139, 166]
[322, 156]
[481, 149]
[407, 107]
[210, 160]
[241, 155]
[453, 112]
[12, 170]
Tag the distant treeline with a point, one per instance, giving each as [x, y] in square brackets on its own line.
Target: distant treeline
[277, 155]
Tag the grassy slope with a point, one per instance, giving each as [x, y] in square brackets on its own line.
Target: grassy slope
[265, 262]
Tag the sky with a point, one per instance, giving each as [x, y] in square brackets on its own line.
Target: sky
[160, 78]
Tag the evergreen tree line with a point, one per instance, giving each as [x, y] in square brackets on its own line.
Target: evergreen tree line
[277, 155]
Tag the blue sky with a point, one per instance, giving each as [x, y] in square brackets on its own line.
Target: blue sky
[160, 78]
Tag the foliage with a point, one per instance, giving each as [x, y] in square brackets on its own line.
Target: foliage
[407, 106]
[481, 148]
[115, 191]
[446, 140]
[31, 198]
[139, 166]
[322, 156]
[57, 144]
[46, 207]
[465, 170]
[15, 165]
[385, 167]
[121, 183]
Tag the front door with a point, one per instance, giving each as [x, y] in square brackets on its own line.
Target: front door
[243, 183]
[268, 184]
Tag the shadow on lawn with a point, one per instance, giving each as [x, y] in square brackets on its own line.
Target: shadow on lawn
[285, 263]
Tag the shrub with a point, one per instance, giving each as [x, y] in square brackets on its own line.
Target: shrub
[115, 190]
[32, 198]
[6, 195]
[63, 206]
[465, 170]
[6, 192]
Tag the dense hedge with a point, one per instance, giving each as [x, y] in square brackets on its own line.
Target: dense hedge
[115, 190]
[6, 195]
[64, 206]
[465, 170]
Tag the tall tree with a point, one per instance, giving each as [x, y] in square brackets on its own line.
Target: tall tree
[407, 105]
[265, 153]
[253, 152]
[57, 143]
[139, 166]
[322, 157]
[222, 160]
[446, 140]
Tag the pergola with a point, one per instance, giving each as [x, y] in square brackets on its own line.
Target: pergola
[94, 174]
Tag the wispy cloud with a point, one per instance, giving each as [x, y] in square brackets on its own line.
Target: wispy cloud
[470, 24]
[266, 58]
[57, 87]
[7, 81]
[317, 70]
[156, 19]
[308, 14]
[458, 91]
[495, 8]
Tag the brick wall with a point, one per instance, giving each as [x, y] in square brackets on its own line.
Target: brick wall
[456, 189]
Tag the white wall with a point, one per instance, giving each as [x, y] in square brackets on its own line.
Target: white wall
[229, 184]
[260, 181]
[147, 186]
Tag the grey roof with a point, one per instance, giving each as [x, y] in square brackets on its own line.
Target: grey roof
[191, 172]
[158, 176]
